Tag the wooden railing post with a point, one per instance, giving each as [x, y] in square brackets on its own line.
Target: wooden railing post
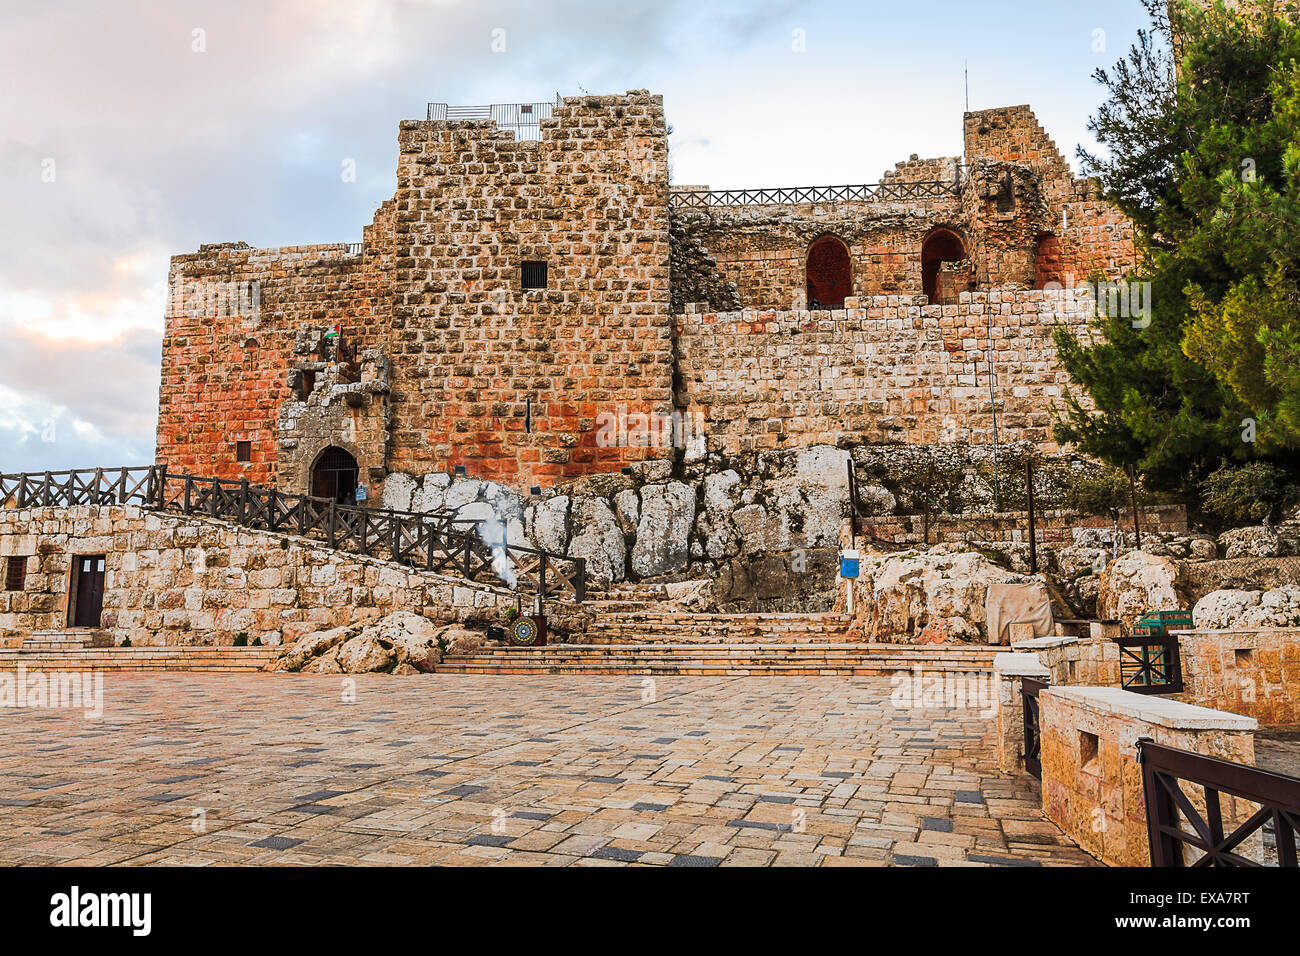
[212, 498]
[329, 524]
[94, 493]
[161, 472]
[189, 487]
[22, 491]
[580, 579]
[541, 574]
[468, 544]
[243, 501]
[45, 494]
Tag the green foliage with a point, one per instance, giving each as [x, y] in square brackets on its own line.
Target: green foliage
[1203, 154]
[927, 480]
[241, 639]
[126, 642]
[1051, 477]
[1099, 489]
[1249, 494]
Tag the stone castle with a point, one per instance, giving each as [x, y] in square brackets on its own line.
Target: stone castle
[535, 277]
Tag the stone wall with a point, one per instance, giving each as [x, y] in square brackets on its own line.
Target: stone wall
[1250, 672]
[1092, 783]
[511, 381]
[172, 580]
[885, 369]
[515, 384]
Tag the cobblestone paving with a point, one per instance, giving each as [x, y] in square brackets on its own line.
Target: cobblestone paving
[547, 771]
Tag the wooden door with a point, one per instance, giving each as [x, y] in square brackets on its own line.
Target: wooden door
[89, 572]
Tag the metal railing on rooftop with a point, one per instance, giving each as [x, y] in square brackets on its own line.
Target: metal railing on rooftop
[524, 119]
[789, 196]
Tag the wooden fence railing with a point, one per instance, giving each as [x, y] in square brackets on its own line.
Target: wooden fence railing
[1186, 831]
[435, 542]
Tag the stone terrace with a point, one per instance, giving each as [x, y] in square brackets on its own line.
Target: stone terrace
[520, 770]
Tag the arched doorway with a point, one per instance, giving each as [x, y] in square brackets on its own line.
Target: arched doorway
[940, 246]
[335, 475]
[830, 273]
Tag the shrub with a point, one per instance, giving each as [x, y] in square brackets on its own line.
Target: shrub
[1097, 489]
[1248, 494]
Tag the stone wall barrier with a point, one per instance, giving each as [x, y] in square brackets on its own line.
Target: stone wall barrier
[1010, 670]
[1076, 660]
[1092, 782]
[1250, 672]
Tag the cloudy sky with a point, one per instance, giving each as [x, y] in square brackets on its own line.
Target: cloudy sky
[132, 130]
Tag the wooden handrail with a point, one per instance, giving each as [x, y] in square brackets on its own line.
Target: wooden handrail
[436, 540]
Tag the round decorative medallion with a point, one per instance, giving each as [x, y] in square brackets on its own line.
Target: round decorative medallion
[524, 631]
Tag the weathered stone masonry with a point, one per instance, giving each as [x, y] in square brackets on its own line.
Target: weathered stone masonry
[446, 359]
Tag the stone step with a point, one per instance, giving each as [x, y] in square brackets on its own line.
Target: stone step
[753, 660]
[978, 653]
[67, 639]
[213, 659]
[721, 620]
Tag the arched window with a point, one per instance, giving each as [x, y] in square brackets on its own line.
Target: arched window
[830, 274]
[940, 246]
[335, 475]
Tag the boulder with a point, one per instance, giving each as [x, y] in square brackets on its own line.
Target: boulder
[327, 663]
[1138, 583]
[366, 653]
[1081, 560]
[1256, 542]
[876, 501]
[750, 522]
[598, 538]
[309, 647]
[1240, 610]
[929, 596]
[412, 638]
[548, 524]
[456, 639]
[663, 533]
[398, 489]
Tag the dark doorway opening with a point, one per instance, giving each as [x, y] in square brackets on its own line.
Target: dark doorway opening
[830, 273]
[335, 475]
[940, 246]
[88, 590]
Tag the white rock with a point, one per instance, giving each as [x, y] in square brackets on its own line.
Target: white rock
[1139, 583]
[398, 489]
[662, 537]
[1240, 610]
[547, 524]
[935, 595]
[598, 538]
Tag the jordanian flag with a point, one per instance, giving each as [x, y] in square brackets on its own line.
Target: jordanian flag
[333, 333]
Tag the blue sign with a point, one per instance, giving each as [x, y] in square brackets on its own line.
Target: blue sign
[362, 494]
[848, 567]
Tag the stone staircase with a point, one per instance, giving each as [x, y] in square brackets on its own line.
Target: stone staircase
[67, 657]
[732, 659]
[638, 631]
[66, 640]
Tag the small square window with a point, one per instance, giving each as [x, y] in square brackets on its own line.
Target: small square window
[243, 451]
[532, 275]
[15, 573]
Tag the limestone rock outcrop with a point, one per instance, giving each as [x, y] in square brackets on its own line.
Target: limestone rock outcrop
[1235, 609]
[1138, 583]
[932, 596]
